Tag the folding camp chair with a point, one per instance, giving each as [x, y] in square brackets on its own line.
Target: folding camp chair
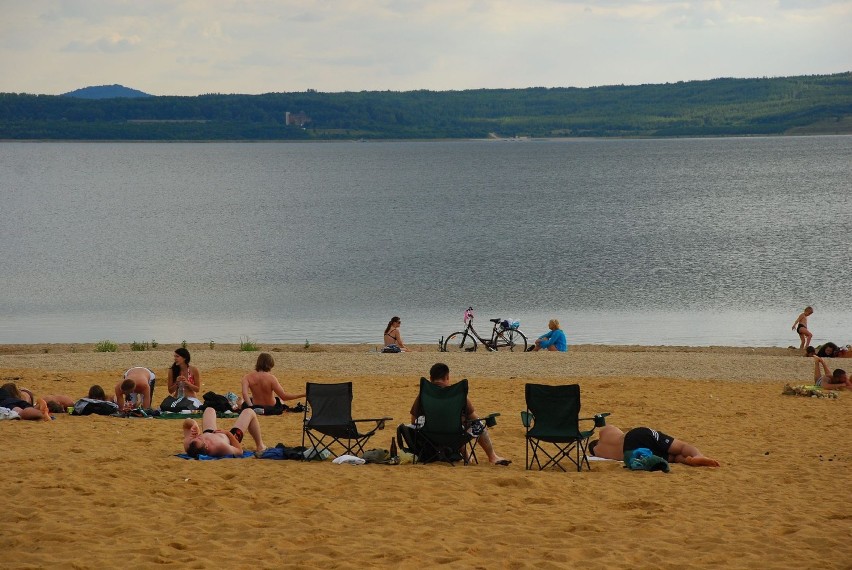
[443, 435]
[552, 422]
[330, 421]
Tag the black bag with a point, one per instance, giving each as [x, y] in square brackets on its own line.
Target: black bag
[172, 404]
[426, 452]
[216, 401]
[89, 406]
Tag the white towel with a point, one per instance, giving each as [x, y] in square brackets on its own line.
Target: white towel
[349, 460]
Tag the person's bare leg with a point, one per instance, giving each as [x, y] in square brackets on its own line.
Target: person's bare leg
[688, 454]
[248, 423]
[208, 420]
[30, 413]
[552, 348]
[486, 445]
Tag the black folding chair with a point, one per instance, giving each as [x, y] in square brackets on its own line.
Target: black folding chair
[330, 421]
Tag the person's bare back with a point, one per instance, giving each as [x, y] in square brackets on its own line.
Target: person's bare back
[262, 388]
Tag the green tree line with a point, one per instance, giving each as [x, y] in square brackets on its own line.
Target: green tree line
[819, 103]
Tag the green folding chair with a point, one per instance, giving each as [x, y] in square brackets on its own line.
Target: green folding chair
[552, 421]
[444, 436]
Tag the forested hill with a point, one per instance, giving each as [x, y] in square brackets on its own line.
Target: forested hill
[788, 105]
[106, 92]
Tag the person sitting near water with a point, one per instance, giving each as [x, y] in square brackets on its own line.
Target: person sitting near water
[220, 443]
[136, 390]
[439, 375]
[393, 337]
[184, 380]
[612, 443]
[13, 399]
[801, 327]
[262, 389]
[554, 340]
[831, 350]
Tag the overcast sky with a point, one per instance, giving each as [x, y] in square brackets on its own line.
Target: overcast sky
[177, 47]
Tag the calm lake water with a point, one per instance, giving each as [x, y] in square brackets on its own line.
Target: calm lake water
[689, 241]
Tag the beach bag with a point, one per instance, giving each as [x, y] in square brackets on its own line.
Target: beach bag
[216, 401]
[376, 456]
[172, 404]
[89, 406]
[391, 348]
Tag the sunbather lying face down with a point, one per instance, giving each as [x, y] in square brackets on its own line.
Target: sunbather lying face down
[220, 443]
[612, 443]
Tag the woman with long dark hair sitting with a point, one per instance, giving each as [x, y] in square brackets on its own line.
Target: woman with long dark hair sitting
[184, 380]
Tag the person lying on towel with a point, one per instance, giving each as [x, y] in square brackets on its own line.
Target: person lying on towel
[209, 440]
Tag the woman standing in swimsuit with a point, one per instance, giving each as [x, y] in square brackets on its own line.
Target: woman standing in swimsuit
[392, 335]
[183, 376]
[801, 327]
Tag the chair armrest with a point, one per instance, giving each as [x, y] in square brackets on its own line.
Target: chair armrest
[380, 422]
[599, 419]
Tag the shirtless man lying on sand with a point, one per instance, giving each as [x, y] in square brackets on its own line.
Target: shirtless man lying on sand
[217, 442]
[612, 443]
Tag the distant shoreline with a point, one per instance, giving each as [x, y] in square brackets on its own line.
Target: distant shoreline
[814, 133]
[165, 347]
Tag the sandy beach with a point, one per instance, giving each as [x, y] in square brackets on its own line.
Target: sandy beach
[89, 492]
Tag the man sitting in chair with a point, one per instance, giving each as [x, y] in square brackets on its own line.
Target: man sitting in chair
[439, 375]
[612, 443]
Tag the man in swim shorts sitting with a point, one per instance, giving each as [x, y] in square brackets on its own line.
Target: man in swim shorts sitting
[439, 375]
[136, 389]
[612, 443]
[220, 443]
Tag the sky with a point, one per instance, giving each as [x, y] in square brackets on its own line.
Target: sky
[193, 47]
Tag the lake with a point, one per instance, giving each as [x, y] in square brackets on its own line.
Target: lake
[673, 241]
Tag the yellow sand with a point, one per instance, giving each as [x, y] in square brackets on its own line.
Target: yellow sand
[93, 492]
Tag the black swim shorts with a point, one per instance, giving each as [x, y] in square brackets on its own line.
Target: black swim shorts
[658, 442]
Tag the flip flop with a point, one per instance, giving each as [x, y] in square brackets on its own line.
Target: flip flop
[504, 462]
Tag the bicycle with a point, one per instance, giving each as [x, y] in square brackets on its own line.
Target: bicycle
[503, 335]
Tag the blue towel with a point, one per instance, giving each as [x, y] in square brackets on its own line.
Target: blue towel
[211, 458]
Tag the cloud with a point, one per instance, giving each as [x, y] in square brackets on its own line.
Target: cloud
[186, 47]
[113, 43]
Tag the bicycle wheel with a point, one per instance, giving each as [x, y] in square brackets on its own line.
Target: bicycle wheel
[460, 342]
[512, 339]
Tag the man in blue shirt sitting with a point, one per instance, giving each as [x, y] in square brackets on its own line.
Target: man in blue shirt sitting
[554, 340]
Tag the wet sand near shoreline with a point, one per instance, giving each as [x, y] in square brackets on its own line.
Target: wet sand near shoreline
[101, 491]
